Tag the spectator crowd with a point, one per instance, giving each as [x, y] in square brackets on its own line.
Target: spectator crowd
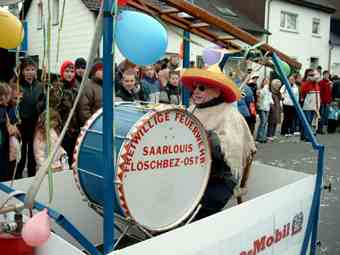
[25, 139]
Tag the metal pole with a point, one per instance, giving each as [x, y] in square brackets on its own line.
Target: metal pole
[319, 187]
[313, 221]
[186, 64]
[108, 119]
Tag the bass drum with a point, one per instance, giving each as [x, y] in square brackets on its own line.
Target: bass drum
[163, 164]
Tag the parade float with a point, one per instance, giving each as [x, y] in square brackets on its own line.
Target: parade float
[125, 182]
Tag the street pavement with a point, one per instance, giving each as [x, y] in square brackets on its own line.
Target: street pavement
[292, 154]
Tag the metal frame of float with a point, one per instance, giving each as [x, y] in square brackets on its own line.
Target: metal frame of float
[108, 136]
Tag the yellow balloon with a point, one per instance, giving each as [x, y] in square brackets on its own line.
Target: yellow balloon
[11, 30]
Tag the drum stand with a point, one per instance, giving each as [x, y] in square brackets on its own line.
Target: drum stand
[128, 225]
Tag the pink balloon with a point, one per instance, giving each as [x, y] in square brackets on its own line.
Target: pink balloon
[212, 56]
[37, 230]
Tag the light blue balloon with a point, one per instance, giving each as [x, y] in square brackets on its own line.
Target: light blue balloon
[140, 38]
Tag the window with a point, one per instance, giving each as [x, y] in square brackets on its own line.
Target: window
[288, 21]
[314, 62]
[55, 12]
[40, 15]
[316, 26]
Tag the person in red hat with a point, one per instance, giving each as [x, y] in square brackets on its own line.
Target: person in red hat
[232, 143]
[69, 94]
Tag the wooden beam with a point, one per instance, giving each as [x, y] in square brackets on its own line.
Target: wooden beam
[226, 38]
[227, 27]
[199, 25]
[169, 11]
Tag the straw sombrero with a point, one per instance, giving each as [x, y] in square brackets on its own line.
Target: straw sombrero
[212, 77]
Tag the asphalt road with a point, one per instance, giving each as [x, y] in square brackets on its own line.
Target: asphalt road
[290, 153]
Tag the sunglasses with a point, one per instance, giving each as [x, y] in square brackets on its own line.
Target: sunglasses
[200, 88]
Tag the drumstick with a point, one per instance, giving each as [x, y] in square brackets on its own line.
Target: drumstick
[245, 178]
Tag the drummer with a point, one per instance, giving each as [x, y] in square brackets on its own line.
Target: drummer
[232, 144]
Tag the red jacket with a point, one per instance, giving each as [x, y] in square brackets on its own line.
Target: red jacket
[308, 87]
[325, 91]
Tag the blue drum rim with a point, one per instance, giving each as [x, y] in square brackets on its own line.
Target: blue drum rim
[119, 172]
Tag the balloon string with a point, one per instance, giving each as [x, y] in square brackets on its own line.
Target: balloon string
[60, 29]
[48, 126]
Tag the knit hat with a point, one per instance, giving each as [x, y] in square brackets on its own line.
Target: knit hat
[63, 67]
[98, 65]
[80, 63]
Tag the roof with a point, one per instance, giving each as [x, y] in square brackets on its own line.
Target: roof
[321, 5]
[223, 9]
[336, 4]
[92, 5]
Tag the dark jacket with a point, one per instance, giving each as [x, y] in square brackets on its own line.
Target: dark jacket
[68, 96]
[336, 90]
[151, 88]
[90, 100]
[124, 95]
[33, 95]
[170, 94]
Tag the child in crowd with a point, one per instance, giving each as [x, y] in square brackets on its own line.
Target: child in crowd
[171, 93]
[41, 149]
[333, 117]
[69, 94]
[14, 134]
[29, 111]
[150, 84]
[130, 90]
[4, 134]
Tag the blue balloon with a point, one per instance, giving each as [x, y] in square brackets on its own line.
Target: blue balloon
[140, 38]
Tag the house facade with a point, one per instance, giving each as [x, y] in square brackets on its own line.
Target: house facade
[299, 28]
[79, 25]
[335, 40]
[76, 34]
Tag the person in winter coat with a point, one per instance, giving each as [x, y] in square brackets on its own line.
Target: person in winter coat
[252, 83]
[326, 99]
[289, 112]
[310, 98]
[91, 98]
[171, 93]
[274, 117]
[80, 66]
[32, 96]
[130, 90]
[69, 94]
[264, 100]
[232, 144]
[150, 84]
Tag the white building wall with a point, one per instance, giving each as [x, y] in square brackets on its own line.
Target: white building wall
[302, 44]
[76, 36]
[335, 63]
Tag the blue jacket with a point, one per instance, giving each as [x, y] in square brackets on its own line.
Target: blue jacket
[151, 88]
[246, 99]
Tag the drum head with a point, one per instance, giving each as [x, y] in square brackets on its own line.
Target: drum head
[163, 168]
